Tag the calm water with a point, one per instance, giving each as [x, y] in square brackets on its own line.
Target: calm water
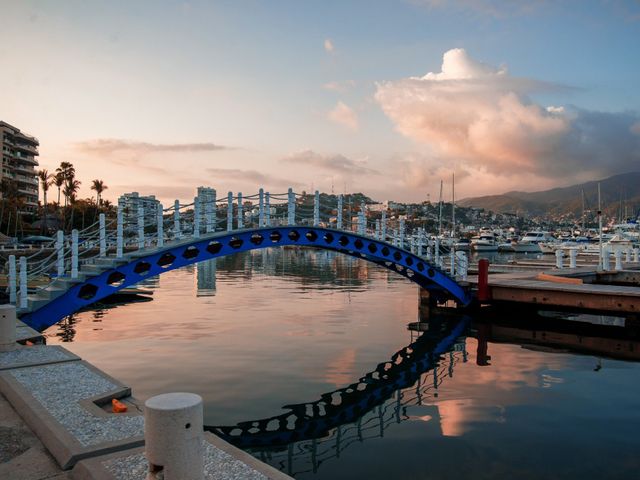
[259, 331]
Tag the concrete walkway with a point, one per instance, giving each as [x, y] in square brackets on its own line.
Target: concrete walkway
[22, 455]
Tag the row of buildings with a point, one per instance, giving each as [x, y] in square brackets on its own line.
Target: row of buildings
[19, 162]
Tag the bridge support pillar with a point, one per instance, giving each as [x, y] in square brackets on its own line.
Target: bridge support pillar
[174, 436]
[7, 328]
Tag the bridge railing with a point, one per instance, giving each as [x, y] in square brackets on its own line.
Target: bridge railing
[205, 215]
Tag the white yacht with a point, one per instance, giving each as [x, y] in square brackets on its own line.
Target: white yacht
[484, 242]
[530, 242]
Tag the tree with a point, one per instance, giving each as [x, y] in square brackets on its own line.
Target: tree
[68, 172]
[99, 187]
[45, 181]
[71, 188]
[58, 181]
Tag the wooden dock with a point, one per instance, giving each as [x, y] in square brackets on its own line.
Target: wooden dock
[604, 295]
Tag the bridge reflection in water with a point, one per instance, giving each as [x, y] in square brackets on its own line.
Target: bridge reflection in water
[309, 434]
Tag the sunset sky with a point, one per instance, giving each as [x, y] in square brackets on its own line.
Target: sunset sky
[381, 97]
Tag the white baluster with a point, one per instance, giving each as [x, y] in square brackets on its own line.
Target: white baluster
[261, 208]
[618, 257]
[573, 258]
[103, 235]
[636, 255]
[267, 209]
[13, 280]
[196, 217]
[240, 217]
[60, 252]
[119, 235]
[316, 209]
[362, 220]
[559, 258]
[209, 206]
[140, 226]
[628, 255]
[177, 228]
[339, 213]
[160, 226]
[377, 229]
[74, 253]
[606, 260]
[383, 227]
[23, 283]
[401, 233]
[291, 207]
[229, 211]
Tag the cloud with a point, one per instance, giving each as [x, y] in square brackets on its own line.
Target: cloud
[344, 115]
[110, 146]
[418, 171]
[334, 163]
[328, 45]
[482, 117]
[250, 176]
[339, 87]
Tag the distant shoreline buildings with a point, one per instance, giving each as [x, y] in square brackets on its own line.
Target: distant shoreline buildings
[19, 162]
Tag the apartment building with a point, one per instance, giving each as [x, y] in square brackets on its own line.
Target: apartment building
[130, 203]
[19, 162]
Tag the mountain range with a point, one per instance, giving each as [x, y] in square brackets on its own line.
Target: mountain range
[619, 193]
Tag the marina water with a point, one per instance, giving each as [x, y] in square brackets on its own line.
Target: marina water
[255, 332]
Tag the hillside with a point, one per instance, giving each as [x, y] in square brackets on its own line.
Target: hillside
[567, 200]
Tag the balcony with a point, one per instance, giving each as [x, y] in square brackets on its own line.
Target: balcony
[27, 160]
[26, 179]
[24, 169]
[26, 148]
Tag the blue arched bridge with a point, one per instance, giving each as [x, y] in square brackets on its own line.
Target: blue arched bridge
[92, 264]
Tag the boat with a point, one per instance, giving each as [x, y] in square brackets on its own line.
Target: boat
[462, 245]
[530, 242]
[506, 246]
[484, 242]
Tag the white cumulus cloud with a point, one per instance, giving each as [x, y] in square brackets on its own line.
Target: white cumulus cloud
[483, 117]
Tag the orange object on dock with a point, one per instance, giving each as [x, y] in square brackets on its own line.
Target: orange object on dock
[118, 406]
[557, 279]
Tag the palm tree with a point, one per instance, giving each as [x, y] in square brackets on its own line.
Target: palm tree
[67, 171]
[58, 181]
[71, 188]
[99, 187]
[45, 181]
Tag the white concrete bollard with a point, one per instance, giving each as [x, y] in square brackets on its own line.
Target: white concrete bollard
[177, 229]
[606, 260]
[196, 217]
[240, 214]
[618, 257]
[401, 233]
[383, 226]
[60, 251]
[160, 226]
[628, 255]
[74, 253]
[7, 328]
[636, 255]
[103, 235]
[316, 209]
[261, 208]
[573, 258]
[229, 211]
[463, 265]
[339, 214]
[267, 209]
[140, 226]
[559, 258]
[119, 233]
[174, 436]
[291, 207]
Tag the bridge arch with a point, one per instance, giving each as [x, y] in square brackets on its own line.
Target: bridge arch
[138, 266]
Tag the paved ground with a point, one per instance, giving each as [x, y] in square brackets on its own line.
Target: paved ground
[22, 456]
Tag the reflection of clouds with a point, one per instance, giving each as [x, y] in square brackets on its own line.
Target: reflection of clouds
[340, 370]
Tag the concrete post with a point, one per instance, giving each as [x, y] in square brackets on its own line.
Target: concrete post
[606, 260]
[60, 252]
[177, 228]
[401, 233]
[160, 227]
[636, 255]
[267, 209]
[7, 328]
[103, 235]
[316, 209]
[383, 226]
[573, 258]
[209, 206]
[339, 214]
[618, 257]
[420, 242]
[240, 216]
[140, 226]
[74, 253]
[628, 255]
[196, 217]
[229, 211]
[261, 208]
[291, 207]
[463, 265]
[559, 258]
[174, 436]
[23, 282]
[119, 234]
[378, 229]
[429, 252]
[13, 280]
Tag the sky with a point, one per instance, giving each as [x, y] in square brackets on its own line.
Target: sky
[385, 98]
